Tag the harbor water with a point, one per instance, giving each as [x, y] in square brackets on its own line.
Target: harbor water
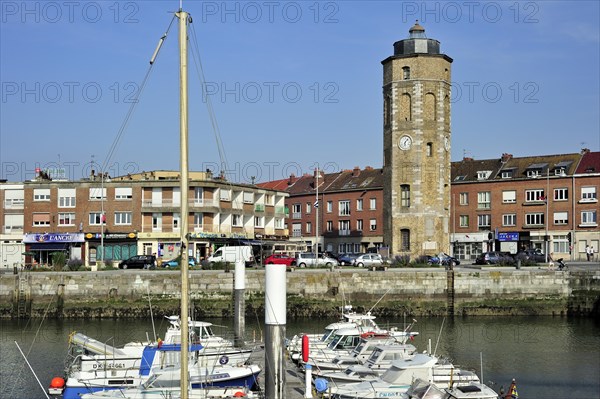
[550, 357]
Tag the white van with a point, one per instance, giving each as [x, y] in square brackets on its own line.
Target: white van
[232, 254]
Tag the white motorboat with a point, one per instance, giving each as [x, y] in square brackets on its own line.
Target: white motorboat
[161, 363]
[359, 355]
[397, 379]
[380, 360]
[363, 323]
[421, 389]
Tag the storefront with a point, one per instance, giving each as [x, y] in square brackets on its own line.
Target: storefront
[39, 247]
[117, 247]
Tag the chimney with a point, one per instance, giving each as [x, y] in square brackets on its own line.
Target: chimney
[506, 157]
[585, 150]
[467, 159]
[355, 171]
[368, 167]
[93, 175]
[292, 179]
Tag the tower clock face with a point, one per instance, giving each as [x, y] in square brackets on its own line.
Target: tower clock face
[405, 142]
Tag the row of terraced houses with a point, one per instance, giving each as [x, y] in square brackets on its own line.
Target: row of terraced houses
[508, 203]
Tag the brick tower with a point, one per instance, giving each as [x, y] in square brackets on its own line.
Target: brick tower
[416, 142]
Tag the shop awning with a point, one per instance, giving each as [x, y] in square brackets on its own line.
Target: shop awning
[51, 246]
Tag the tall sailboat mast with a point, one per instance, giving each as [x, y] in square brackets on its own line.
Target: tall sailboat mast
[184, 183]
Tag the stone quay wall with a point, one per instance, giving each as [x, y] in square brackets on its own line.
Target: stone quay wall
[310, 292]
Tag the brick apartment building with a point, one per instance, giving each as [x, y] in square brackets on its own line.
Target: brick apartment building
[499, 204]
[130, 215]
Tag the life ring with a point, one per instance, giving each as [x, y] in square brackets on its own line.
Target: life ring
[223, 360]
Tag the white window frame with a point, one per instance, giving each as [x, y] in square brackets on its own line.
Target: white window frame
[296, 211]
[224, 195]
[344, 227]
[123, 193]
[588, 194]
[484, 221]
[464, 198]
[589, 218]
[561, 218]
[535, 195]
[373, 204]
[359, 204]
[509, 197]
[248, 197]
[237, 220]
[561, 194]
[95, 218]
[463, 220]
[279, 223]
[372, 224]
[67, 197]
[509, 219]
[329, 225]
[535, 219]
[329, 206]
[308, 207]
[308, 227]
[66, 218]
[41, 223]
[259, 221]
[97, 193]
[359, 224]
[41, 194]
[296, 229]
[344, 208]
[484, 200]
[123, 218]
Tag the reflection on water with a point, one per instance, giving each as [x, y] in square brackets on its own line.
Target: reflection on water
[550, 357]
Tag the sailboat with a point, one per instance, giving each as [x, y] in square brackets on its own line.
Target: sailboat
[182, 381]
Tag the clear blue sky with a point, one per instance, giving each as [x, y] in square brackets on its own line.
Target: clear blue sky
[294, 84]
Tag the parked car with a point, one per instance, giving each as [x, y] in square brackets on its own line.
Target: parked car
[280, 259]
[304, 259]
[347, 259]
[494, 258]
[175, 262]
[368, 260]
[443, 259]
[139, 262]
[532, 255]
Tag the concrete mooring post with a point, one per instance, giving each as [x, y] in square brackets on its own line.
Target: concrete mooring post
[239, 311]
[275, 321]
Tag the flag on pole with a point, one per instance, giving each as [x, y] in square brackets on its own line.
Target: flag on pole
[316, 205]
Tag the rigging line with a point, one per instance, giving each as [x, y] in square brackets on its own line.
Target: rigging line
[35, 337]
[133, 105]
[201, 76]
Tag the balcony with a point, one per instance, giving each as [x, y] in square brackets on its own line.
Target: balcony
[259, 207]
[296, 215]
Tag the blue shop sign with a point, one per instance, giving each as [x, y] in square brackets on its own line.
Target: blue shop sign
[508, 236]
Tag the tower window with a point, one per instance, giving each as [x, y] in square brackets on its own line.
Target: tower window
[387, 110]
[405, 195]
[406, 72]
[405, 240]
[429, 149]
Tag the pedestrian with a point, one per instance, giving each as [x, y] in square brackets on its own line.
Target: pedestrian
[588, 252]
[550, 261]
[591, 253]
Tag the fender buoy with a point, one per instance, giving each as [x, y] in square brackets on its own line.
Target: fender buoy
[305, 348]
[239, 394]
[321, 384]
[57, 382]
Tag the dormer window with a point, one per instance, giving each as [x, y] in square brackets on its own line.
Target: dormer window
[483, 174]
[534, 173]
[560, 172]
[506, 174]
[460, 178]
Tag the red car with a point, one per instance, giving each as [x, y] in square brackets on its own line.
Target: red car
[279, 259]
